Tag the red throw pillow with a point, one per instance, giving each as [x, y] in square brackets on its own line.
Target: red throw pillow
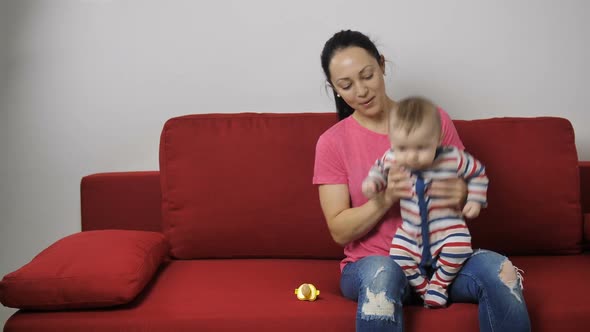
[86, 270]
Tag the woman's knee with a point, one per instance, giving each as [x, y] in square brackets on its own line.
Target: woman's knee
[492, 268]
[382, 273]
[382, 289]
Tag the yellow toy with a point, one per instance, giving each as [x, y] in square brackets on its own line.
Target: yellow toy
[307, 292]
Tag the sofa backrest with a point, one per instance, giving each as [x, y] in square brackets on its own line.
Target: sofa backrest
[534, 195]
[239, 185]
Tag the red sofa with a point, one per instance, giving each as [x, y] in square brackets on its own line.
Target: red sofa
[221, 236]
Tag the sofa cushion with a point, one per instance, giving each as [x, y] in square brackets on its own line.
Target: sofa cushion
[534, 195]
[239, 185]
[86, 270]
[258, 295]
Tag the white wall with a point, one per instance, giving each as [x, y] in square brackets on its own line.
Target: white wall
[86, 85]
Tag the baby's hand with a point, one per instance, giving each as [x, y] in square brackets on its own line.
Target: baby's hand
[369, 189]
[471, 209]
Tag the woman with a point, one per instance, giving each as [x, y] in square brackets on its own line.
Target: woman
[354, 68]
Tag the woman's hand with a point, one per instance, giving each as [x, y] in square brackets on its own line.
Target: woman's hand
[453, 192]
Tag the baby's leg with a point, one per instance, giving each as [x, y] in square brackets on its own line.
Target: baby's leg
[451, 257]
[405, 254]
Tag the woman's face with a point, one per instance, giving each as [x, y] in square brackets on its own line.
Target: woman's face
[358, 78]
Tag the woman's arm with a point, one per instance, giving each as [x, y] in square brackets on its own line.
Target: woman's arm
[346, 223]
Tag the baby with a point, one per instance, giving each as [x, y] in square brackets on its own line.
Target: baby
[431, 238]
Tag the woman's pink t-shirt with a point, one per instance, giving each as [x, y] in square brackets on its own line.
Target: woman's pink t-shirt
[344, 155]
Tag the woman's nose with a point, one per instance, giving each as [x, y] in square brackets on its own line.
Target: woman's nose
[361, 90]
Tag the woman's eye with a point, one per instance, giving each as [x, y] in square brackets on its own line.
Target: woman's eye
[368, 77]
[345, 87]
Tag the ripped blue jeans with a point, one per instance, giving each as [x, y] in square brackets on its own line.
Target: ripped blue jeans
[380, 287]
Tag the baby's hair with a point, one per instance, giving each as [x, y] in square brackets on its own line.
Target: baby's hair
[411, 112]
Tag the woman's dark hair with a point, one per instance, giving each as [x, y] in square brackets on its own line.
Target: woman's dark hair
[342, 40]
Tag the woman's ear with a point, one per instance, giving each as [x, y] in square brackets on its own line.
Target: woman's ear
[382, 63]
[329, 86]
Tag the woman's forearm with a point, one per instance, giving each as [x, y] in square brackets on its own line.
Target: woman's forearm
[353, 223]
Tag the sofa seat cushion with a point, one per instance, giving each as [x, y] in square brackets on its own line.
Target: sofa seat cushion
[556, 290]
[257, 295]
[86, 270]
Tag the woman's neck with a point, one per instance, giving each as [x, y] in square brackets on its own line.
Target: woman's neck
[379, 122]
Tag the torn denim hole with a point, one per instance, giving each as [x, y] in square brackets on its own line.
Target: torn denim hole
[378, 306]
[515, 281]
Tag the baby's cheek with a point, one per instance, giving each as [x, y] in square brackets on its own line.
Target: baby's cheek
[429, 158]
[400, 158]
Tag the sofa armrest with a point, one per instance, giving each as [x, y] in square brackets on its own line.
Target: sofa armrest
[121, 200]
[585, 198]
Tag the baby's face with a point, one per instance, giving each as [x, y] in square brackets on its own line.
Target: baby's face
[415, 150]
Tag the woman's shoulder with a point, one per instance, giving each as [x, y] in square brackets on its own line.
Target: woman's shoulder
[444, 116]
[450, 135]
[335, 133]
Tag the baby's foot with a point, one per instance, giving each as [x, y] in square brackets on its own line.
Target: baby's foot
[421, 289]
[435, 297]
[422, 294]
